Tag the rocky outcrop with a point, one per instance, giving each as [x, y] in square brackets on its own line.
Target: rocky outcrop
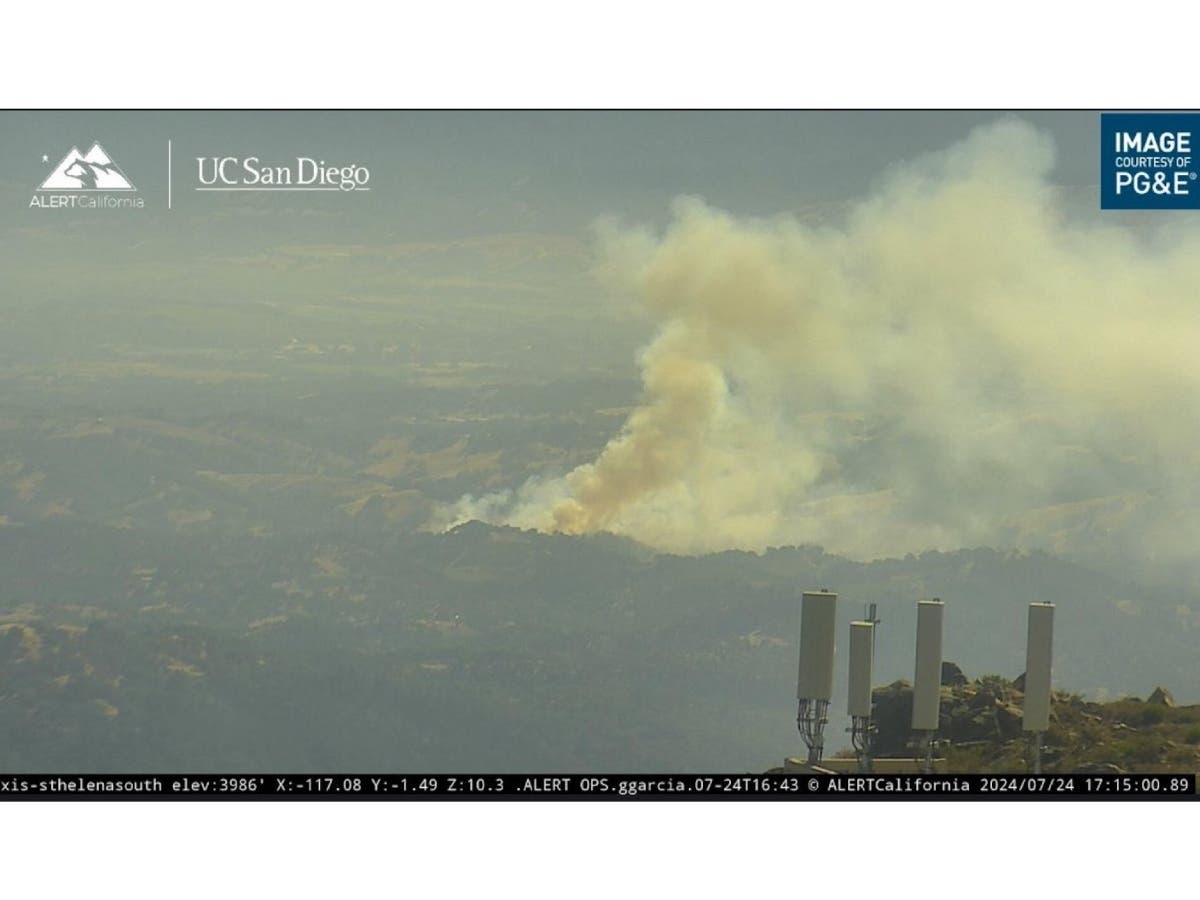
[985, 710]
[952, 675]
[981, 728]
[1161, 697]
[892, 718]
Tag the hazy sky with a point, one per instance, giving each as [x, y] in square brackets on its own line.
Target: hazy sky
[438, 177]
[486, 208]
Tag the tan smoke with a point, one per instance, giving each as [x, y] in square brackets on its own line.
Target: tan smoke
[955, 363]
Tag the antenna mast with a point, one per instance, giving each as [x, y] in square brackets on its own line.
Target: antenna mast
[1039, 651]
[814, 684]
[927, 680]
[862, 641]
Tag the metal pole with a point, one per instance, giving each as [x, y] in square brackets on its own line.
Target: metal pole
[925, 752]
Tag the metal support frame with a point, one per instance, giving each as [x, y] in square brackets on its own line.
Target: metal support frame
[860, 739]
[811, 717]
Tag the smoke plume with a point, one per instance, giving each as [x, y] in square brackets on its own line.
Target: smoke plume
[956, 363]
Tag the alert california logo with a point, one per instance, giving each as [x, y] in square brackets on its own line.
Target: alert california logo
[91, 180]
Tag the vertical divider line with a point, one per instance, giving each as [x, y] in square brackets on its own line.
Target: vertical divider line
[168, 173]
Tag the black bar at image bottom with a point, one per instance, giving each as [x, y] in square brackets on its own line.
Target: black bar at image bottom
[772, 786]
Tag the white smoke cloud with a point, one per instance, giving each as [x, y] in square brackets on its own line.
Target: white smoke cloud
[956, 364]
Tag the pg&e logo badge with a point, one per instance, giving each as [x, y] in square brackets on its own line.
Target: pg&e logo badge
[1148, 161]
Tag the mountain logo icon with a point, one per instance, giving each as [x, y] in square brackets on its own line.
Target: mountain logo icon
[93, 171]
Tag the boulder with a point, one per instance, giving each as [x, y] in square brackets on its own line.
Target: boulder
[952, 675]
[1161, 697]
[892, 718]
[980, 727]
[1009, 721]
[982, 700]
[1099, 768]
